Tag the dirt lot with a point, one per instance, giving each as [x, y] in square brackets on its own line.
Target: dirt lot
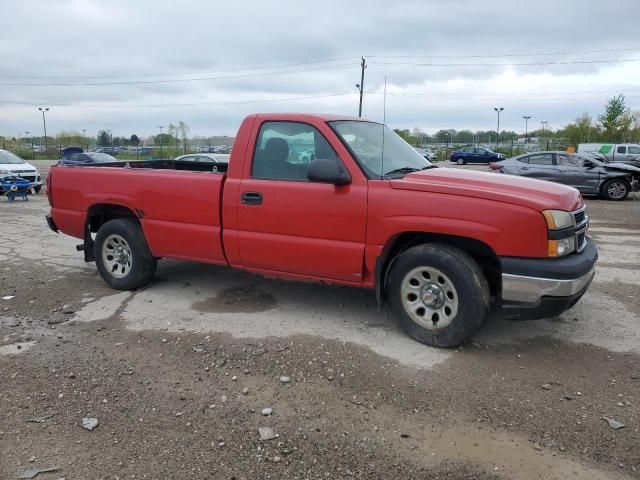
[178, 374]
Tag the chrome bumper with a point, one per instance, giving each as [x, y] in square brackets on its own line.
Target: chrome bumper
[521, 289]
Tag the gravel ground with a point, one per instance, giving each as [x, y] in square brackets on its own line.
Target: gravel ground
[178, 374]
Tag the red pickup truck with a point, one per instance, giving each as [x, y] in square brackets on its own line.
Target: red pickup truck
[345, 201]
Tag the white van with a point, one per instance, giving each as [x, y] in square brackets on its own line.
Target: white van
[13, 165]
[628, 153]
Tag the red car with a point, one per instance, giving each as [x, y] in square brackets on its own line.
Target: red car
[443, 247]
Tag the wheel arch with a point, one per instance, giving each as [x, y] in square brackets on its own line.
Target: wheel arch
[482, 253]
[97, 215]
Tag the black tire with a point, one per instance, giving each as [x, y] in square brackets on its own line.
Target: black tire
[37, 189]
[461, 161]
[470, 286]
[610, 192]
[142, 264]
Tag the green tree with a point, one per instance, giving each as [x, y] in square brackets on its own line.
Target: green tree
[581, 130]
[183, 128]
[104, 138]
[616, 119]
[134, 140]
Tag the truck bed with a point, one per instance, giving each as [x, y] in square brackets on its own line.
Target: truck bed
[177, 203]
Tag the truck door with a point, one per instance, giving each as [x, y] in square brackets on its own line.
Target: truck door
[288, 224]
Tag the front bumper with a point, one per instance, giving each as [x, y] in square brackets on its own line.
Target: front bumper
[540, 288]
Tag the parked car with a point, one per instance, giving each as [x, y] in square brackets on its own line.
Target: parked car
[76, 158]
[13, 165]
[442, 246]
[628, 153]
[475, 155]
[426, 153]
[205, 157]
[589, 175]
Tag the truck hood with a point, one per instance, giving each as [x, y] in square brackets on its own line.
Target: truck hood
[537, 194]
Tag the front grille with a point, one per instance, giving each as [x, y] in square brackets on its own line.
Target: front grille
[582, 226]
[579, 216]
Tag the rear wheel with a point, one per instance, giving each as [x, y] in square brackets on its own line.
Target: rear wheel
[439, 294]
[122, 255]
[616, 189]
[37, 189]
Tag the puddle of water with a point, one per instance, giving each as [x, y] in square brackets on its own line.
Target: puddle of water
[242, 299]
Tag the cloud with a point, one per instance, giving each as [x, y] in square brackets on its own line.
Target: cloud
[119, 41]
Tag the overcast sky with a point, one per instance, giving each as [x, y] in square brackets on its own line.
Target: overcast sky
[131, 66]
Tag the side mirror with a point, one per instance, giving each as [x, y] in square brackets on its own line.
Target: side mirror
[323, 170]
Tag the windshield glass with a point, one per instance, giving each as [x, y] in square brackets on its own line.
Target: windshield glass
[8, 157]
[378, 149]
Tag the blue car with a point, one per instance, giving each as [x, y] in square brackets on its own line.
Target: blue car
[475, 155]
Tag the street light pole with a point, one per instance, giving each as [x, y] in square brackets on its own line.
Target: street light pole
[160, 138]
[526, 121]
[498, 109]
[44, 123]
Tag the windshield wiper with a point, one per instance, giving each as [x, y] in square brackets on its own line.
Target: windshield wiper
[406, 170]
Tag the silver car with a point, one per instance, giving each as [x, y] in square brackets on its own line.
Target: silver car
[588, 174]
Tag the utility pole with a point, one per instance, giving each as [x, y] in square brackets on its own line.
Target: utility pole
[84, 136]
[44, 123]
[498, 109]
[360, 85]
[526, 121]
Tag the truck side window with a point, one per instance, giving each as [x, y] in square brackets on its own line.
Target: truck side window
[622, 149]
[285, 149]
[634, 150]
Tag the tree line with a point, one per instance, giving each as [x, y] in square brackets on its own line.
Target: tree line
[617, 124]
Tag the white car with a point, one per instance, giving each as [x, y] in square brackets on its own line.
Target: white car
[13, 165]
[205, 157]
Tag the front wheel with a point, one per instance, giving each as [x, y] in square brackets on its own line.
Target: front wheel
[122, 255]
[37, 189]
[439, 294]
[616, 189]
[461, 161]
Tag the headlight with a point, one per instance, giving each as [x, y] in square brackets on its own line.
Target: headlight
[558, 219]
[560, 248]
[560, 243]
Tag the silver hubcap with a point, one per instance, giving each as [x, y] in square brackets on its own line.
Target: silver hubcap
[617, 190]
[116, 256]
[429, 297]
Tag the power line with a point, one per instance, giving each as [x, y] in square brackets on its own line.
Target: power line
[171, 105]
[202, 72]
[502, 55]
[575, 62]
[179, 80]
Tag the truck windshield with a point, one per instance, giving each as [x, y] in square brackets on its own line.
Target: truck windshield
[378, 149]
